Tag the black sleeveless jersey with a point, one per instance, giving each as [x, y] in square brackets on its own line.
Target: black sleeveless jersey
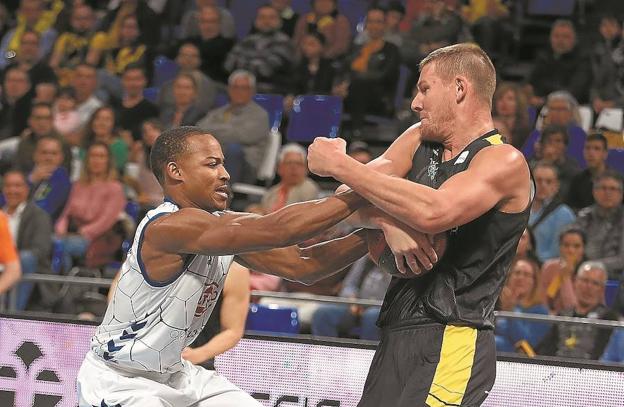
[464, 285]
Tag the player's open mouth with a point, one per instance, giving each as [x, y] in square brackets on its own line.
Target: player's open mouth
[223, 191]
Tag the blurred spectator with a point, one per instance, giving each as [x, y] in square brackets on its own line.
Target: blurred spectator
[548, 215]
[552, 148]
[213, 46]
[595, 152]
[374, 72]
[240, 125]
[189, 59]
[287, 15]
[558, 274]
[29, 60]
[267, 53]
[101, 128]
[614, 351]
[134, 109]
[85, 83]
[484, 17]
[526, 245]
[360, 151]
[31, 15]
[110, 26]
[510, 107]
[563, 67]
[364, 281]
[150, 193]
[521, 293]
[582, 341]
[49, 180]
[606, 90]
[71, 47]
[31, 229]
[394, 13]
[294, 185]
[45, 92]
[9, 260]
[184, 111]
[39, 125]
[93, 208]
[66, 117]
[326, 19]
[226, 324]
[561, 109]
[191, 21]
[603, 224]
[313, 74]
[14, 102]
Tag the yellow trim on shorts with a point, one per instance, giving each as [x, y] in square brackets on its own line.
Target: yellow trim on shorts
[495, 139]
[454, 368]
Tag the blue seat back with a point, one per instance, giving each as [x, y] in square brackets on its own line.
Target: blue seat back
[313, 116]
[58, 249]
[615, 160]
[269, 318]
[274, 105]
[165, 70]
[611, 289]
[151, 94]
[244, 13]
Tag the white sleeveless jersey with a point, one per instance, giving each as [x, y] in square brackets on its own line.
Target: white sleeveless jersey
[147, 323]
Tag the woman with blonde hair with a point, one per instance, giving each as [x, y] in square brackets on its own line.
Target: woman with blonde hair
[522, 294]
[510, 107]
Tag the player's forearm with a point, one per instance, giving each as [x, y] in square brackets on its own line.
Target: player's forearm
[413, 204]
[301, 221]
[220, 343]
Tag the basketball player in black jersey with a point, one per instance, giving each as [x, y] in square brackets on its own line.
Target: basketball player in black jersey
[449, 173]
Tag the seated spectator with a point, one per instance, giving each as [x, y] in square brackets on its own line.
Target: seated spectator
[134, 109]
[360, 152]
[326, 19]
[582, 341]
[288, 16]
[93, 208]
[49, 179]
[558, 274]
[241, 124]
[184, 111]
[562, 67]
[294, 185]
[561, 109]
[614, 351]
[394, 13]
[510, 107]
[522, 294]
[313, 74]
[31, 229]
[267, 53]
[595, 152]
[373, 74]
[66, 117]
[101, 128]
[603, 223]
[191, 21]
[189, 60]
[486, 19]
[9, 260]
[45, 92]
[29, 60]
[39, 125]
[110, 25]
[71, 47]
[548, 215]
[606, 57]
[213, 46]
[85, 83]
[31, 15]
[15, 102]
[552, 148]
[364, 281]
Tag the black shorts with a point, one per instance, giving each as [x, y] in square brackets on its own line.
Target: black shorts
[431, 365]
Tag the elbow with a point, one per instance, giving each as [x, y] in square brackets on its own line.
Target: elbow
[432, 221]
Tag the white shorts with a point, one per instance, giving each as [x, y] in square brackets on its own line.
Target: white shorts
[100, 385]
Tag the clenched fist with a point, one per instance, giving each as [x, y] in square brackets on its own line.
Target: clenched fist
[325, 155]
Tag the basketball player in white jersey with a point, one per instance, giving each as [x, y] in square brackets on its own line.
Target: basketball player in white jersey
[176, 269]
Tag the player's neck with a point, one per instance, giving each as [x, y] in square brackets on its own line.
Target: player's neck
[465, 131]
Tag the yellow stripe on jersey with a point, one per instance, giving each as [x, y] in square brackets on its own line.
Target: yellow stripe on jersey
[455, 366]
[495, 139]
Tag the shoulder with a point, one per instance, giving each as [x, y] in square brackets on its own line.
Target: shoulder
[502, 158]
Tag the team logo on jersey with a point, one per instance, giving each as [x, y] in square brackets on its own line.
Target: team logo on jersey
[211, 292]
[432, 169]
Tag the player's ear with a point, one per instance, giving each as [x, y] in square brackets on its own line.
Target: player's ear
[174, 171]
[461, 86]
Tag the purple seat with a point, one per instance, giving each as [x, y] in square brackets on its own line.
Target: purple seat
[615, 160]
[165, 70]
[313, 116]
[274, 105]
[272, 319]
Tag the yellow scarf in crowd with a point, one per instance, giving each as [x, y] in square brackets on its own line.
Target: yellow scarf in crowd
[45, 22]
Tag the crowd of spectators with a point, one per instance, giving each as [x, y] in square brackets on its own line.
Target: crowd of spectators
[77, 122]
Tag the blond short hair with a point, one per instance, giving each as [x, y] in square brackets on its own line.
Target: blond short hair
[469, 60]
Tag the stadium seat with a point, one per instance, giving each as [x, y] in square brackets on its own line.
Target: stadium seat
[615, 160]
[271, 318]
[164, 70]
[221, 99]
[151, 94]
[610, 119]
[355, 11]
[611, 290]
[274, 105]
[587, 117]
[58, 249]
[313, 116]
[266, 171]
[244, 13]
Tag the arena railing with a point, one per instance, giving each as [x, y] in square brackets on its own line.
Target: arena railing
[106, 282]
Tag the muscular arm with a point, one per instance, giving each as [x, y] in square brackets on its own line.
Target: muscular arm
[497, 176]
[311, 264]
